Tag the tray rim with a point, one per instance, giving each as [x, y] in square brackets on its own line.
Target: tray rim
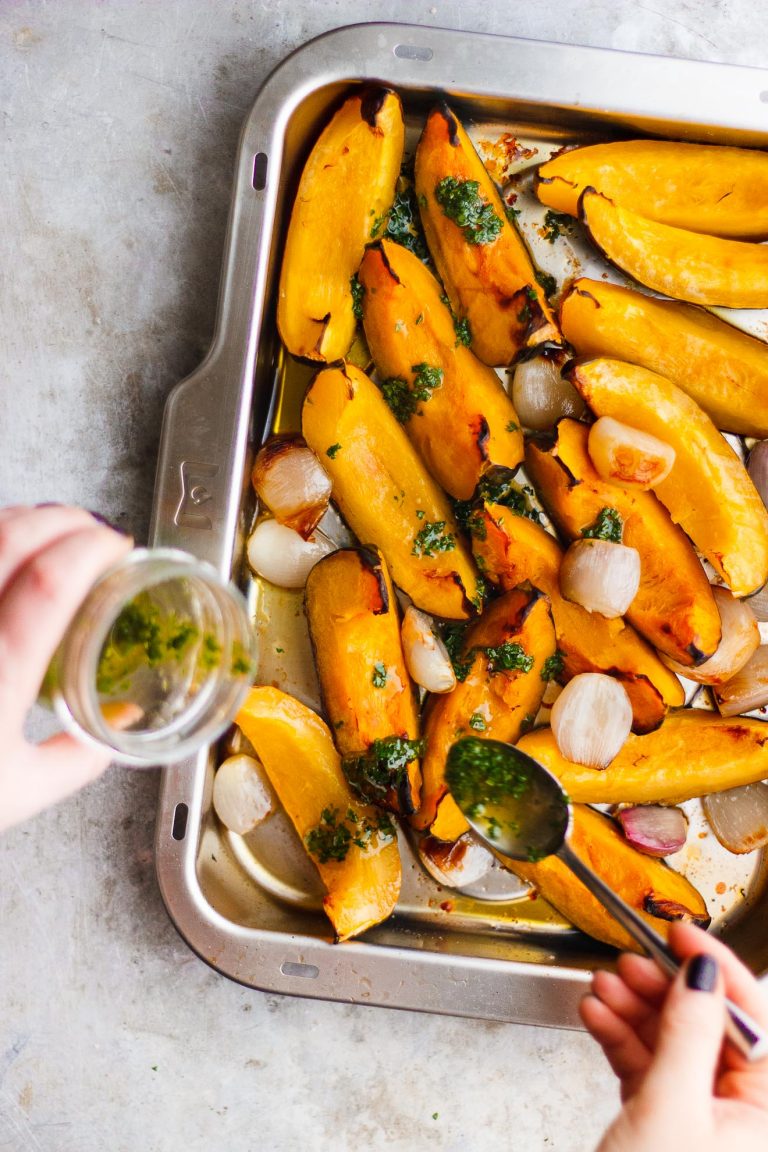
[204, 446]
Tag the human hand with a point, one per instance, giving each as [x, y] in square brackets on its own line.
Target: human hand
[681, 1086]
[49, 558]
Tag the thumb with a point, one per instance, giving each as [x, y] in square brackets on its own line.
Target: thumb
[691, 1031]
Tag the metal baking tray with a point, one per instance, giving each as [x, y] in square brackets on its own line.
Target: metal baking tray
[251, 906]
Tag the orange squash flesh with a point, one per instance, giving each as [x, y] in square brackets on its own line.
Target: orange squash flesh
[385, 493]
[703, 187]
[693, 753]
[674, 608]
[512, 549]
[708, 492]
[724, 370]
[492, 285]
[298, 754]
[346, 189]
[650, 887]
[500, 701]
[676, 262]
[468, 423]
[355, 629]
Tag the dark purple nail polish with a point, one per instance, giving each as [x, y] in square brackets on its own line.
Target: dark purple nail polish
[49, 504]
[97, 516]
[701, 973]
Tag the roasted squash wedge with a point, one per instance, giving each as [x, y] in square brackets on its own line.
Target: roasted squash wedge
[703, 187]
[386, 494]
[686, 265]
[511, 549]
[353, 846]
[708, 492]
[674, 608]
[345, 192]
[650, 887]
[452, 406]
[724, 370]
[355, 629]
[480, 256]
[503, 656]
[693, 753]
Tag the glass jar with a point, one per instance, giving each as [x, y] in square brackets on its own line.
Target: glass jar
[156, 661]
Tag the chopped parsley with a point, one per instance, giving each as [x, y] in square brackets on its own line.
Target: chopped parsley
[463, 331]
[553, 666]
[482, 773]
[145, 636]
[332, 837]
[383, 768]
[477, 721]
[404, 400]
[376, 226]
[420, 513]
[547, 282]
[511, 213]
[555, 224]
[331, 452]
[607, 526]
[379, 677]
[497, 486]
[433, 538]
[511, 426]
[461, 202]
[403, 225]
[358, 292]
[508, 657]
[482, 590]
[426, 380]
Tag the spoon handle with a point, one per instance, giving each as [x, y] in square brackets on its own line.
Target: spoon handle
[741, 1029]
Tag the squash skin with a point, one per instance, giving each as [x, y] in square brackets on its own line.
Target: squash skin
[640, 880]
[504, 699]
[348, 184]
[354, 624]
[708, 492]
[693, 753]
[676, 262]
[380, 483]
[674, 608]
[298, 754]
[723, 369]
[462, 429]
[492, 285]
[512, 549]
[703, 187]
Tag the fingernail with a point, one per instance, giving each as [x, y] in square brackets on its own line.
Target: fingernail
[49, 504]
[97, 516]
[701, 973]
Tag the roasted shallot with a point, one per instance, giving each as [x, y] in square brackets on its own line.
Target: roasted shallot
[541, 396]
[455, 864]
[291, 482]
[600, 576]
[426, 656]
[746, 690]
[740, 639]
[757, 466]
[654, 829]
[282, 556]
[739, 817]
[241, 797]
[628, 457]
[591, 719]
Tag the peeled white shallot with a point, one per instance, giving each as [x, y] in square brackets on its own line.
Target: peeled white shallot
[746, 690]
[601, 576]
[282, 556]
[541, 396]
[426, 657]
[591, 719]
[739, 817]
[241, 796]
[291, 482]
[740, 639]
[628, 457]
[455, 864]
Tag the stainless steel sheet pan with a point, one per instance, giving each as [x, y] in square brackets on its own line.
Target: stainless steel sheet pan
[251, 906]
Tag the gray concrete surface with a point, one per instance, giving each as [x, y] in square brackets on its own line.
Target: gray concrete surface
[120, 122]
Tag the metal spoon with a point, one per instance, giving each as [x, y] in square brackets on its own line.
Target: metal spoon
[518, 808]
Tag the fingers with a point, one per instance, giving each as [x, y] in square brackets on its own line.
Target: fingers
[624, 1050]
[40, 776]
[687, 940]
[25, 531]
[40, 600]
[690, 1038]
